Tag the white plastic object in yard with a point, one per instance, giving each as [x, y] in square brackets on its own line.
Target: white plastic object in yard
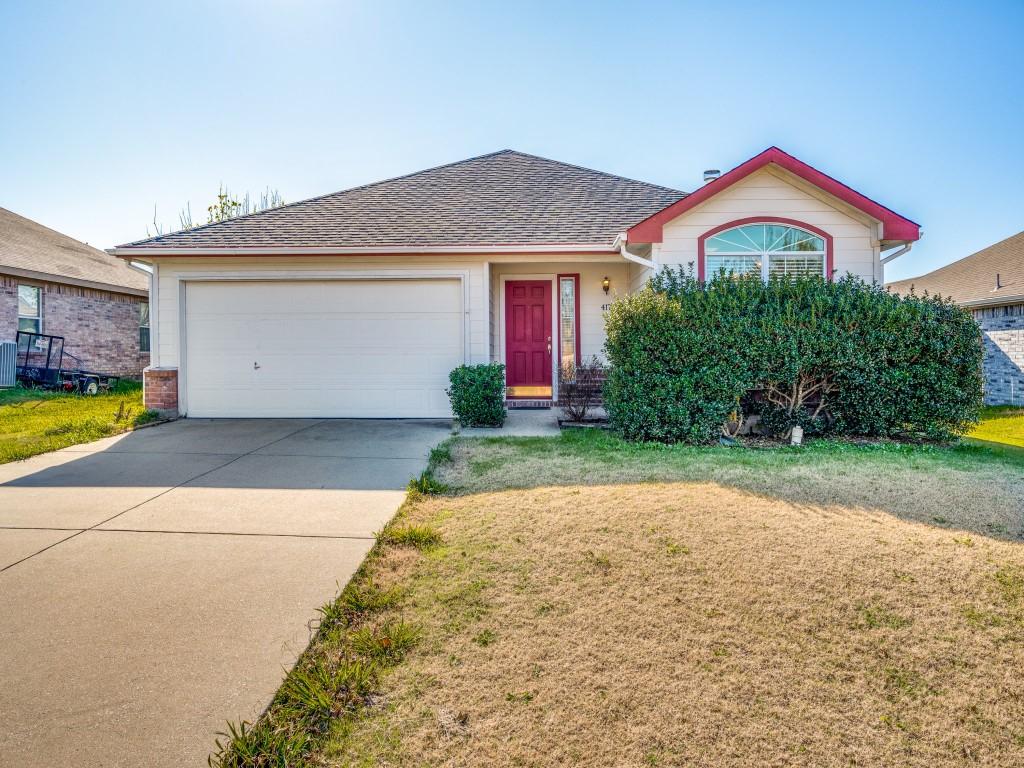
[797, 438]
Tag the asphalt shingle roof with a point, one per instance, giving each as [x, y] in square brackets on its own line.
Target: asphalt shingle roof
[504, 198]
[973, 278]
[29, 246]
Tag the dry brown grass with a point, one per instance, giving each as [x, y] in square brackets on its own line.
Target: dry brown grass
[701, 624]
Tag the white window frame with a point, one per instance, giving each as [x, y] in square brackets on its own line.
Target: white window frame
[39, 306]
[574, 280]
[765, 254]
[149, 330]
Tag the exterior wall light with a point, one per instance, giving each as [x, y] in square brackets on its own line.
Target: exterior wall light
[606, 284]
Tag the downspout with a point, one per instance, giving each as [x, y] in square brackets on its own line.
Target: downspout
[897, 254]
[620, 242]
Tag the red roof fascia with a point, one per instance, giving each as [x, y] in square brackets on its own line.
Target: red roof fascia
[894, 226]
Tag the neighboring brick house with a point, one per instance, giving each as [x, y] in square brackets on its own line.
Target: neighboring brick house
[54, 284]
[990, 283]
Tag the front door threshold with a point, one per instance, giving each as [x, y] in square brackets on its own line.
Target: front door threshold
[532, 392]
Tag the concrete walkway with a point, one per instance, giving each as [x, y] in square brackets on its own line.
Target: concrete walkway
[157, 584]
[521, 422]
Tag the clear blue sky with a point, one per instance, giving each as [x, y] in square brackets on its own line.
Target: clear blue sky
[109, 108]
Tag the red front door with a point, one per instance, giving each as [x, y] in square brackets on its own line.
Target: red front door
[528, 338]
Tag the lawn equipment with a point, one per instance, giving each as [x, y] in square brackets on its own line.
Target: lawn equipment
[42, 362]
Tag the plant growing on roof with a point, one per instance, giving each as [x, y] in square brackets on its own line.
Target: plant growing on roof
[225, 207]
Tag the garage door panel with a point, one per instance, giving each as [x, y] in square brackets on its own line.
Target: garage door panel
[324, 348]
[330, 296]
[369, 333]
[375, 369]
[310, 401]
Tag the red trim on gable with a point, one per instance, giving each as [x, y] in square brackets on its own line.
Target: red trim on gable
[829, 261]
[894, 226]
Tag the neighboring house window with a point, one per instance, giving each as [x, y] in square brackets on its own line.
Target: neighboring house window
[144, 326]
[30, 308]
[765, 249]
[567, 322]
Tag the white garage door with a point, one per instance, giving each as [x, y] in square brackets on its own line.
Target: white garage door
[354, 348]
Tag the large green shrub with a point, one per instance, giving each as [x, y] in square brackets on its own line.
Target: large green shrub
[477, 394]
[840, 357]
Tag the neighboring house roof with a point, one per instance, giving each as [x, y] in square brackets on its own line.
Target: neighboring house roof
[28, 249]
[895, 228]
[506, 198]
[972, 279]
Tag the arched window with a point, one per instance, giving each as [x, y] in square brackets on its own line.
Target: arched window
[766, 248]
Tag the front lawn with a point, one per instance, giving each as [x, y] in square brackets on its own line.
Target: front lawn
[33, 422]
[582, 601]
[1001, 424]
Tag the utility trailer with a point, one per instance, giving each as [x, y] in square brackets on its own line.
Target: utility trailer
[42, 362]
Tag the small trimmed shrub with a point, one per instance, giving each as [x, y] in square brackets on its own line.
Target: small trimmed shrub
[835, 357]
[477, 394]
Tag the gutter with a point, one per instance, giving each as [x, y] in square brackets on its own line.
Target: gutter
[620, 244]
[142, 252]
[49, 277]
[994, 302]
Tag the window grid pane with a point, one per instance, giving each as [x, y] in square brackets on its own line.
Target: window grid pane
[792, 265]
[29, 324]
[28, 301]
[735, 265]
[731, 241]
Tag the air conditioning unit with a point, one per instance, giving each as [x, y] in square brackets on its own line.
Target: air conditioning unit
[8, 364]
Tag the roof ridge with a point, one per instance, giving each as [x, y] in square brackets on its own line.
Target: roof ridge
[593, 170]
[315, 198]
[369, 185]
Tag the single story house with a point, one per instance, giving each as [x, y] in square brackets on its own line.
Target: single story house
[359, 303]
[51, 283]
[990, 283]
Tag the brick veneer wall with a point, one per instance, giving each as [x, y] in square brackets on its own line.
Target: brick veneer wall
[99, 327]
[8, 308]
[160, 389]
[1003, 331]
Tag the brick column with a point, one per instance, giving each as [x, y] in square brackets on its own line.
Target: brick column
[160, 390]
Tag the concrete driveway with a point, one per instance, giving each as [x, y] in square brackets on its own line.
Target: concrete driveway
[157, 584]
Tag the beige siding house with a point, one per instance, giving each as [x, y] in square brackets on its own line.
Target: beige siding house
[359, 304]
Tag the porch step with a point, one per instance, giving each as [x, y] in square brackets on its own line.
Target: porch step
[529, 404]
